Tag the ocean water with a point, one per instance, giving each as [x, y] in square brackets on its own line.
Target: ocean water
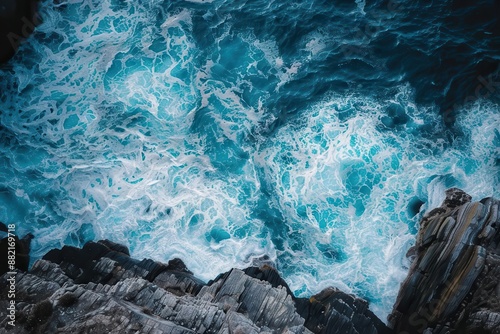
[315, 133]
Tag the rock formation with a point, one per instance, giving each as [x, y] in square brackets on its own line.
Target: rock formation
[100, 289]
[21, 247]
[453, 285]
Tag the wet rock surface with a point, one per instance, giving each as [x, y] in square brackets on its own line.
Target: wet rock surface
[13, 246]
[101, 289]
[453, 285]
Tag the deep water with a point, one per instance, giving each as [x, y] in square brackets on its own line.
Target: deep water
[314, 132]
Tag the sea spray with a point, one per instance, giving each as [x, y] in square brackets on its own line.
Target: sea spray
[202, 131]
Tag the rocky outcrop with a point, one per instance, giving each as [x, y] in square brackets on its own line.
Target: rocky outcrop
[453, 285]
[18, 19]
[101, 289]
[12, 246]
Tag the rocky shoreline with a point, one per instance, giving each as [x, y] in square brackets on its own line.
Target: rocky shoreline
[453, 286]
[101, 289]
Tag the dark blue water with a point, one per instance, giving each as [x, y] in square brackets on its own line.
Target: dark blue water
[314, 132]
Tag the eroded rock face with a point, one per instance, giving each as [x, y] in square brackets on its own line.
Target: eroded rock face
[454, 281]
[101, 289]
[453, 286]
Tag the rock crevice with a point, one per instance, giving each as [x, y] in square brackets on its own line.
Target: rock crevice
[101, 289]
[453, 286]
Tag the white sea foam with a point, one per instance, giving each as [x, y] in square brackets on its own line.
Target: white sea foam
[363, 178]
[126, 126]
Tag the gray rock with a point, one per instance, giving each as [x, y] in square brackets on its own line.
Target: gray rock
[454, 275]
[100, 289]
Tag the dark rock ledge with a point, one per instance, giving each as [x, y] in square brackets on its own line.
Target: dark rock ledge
[101, 289]
[453, 286]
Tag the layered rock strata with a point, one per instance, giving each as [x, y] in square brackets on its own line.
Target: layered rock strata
[453, 285]
[100, 289]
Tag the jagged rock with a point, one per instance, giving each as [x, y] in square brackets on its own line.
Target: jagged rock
[333, 311]
[107, 262]
[453, 286]
[330, 311]
[21, 249]
[455, 270]
[100, 289]
[258, 300]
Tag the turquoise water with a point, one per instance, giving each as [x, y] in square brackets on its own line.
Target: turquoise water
[220, 132]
